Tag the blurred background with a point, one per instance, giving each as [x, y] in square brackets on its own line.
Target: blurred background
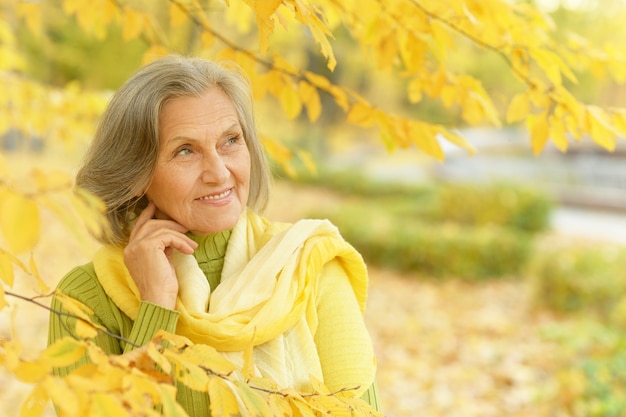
[497, 280]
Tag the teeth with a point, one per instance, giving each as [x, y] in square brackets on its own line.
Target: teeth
[215, 197]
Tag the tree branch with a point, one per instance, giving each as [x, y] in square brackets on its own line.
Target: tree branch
[60, 313]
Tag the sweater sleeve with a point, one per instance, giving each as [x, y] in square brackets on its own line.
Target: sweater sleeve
[123, 334]
[341, 323]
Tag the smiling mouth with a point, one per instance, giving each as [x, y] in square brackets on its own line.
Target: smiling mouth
[217, 196]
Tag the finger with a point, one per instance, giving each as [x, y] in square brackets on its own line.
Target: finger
[164, 238]
[152, 226]
[147, 221]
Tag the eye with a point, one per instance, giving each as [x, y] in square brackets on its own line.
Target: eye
[233, 140]
[183, 151]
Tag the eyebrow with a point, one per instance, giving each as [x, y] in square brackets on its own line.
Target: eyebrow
[234, 126]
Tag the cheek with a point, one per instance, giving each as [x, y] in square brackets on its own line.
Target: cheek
[166, 185]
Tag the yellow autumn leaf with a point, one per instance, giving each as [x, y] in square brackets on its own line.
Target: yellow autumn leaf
[329, 405]
[362, 114]
[317, 80]
[63, 397]
[265, 9]
[248, 362]
[90, 209]
[223, 401]
[187, 371]
[280, 406]
[159, 358]
[280, 154]
[556, 61]
[99, 360]
[4, 172]
[276, 150]
[426, 139]
[255, 403]
[387, 133]
[178, 15]
[20, 222]
[300, 408]
[30, 372]
[436, 81]
[600, 128]
[171, 407]
[558, 134]
[265, 23]
[94, 18]
[415, 90]
[443, 40]
[155, 51]
[35, 403]
[386, 50]
[412, 51]
[472, 113]
[290, 100]
[449, 95]
[340, 96]
[133, 25]
[520, 61]
[619, 122]
[263, 384]
[210, 358]
[549, 63]
[539, 132]
[52, 180]
[73, 306]
[85, 330]
[318, 386]
[7, 274]
[34, 271]
[68, 218]
[518, 109]
[107, 405]
[458, 140]
[31, 13]
[311, 99]
[3, 304]
[207, 39]
[318, 29]
[64, 352]
[140, 389]
[307, 160]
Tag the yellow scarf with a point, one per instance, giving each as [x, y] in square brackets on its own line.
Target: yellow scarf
[266, 296]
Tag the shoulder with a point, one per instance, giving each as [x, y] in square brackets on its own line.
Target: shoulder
[81, 283]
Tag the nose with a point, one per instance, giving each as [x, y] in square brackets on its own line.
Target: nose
[214, 169]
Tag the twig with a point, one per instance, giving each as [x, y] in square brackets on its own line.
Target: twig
[33, 300]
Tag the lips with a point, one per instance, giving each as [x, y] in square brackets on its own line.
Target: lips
[219, 196]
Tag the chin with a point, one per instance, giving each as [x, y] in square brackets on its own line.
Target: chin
[222, 225]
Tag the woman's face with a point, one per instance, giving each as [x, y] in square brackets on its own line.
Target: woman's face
[202, 175]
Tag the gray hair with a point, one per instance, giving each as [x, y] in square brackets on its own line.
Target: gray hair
[121, 159]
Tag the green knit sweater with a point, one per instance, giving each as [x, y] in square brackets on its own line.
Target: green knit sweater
[82, 284]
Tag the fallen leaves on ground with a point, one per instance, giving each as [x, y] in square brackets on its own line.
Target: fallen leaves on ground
[458, 349]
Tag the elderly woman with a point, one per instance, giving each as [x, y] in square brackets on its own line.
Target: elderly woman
[177, 161]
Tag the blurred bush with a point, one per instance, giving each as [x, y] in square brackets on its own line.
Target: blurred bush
[593, 381]
[501, 204]
[581, 278]
[441, 230]
[519, 207]
[439, 250]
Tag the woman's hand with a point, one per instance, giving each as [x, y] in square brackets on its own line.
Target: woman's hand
[148, 256]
